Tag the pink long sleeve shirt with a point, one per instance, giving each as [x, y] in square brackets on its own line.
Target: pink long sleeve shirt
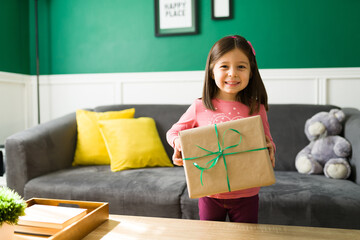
[197, 115]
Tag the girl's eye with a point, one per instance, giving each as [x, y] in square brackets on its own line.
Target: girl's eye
[241, 67]
[223, 66]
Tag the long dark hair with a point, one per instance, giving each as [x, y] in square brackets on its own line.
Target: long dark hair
[254, 94]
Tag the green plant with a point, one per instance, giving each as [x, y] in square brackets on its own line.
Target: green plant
[12, 206]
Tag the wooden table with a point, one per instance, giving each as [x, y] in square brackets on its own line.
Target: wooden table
[131, 227]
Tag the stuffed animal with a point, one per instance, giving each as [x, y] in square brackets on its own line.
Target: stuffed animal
[327, 152]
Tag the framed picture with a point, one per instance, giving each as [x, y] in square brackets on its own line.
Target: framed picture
[221, 9]
[175, 17]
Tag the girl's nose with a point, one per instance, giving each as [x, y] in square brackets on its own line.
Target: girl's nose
[232, 73]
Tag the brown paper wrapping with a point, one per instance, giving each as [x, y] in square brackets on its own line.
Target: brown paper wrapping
[245, 170]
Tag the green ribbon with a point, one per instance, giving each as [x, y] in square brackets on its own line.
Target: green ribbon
[220, 153]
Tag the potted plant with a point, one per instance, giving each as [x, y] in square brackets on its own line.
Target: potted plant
[12, 206]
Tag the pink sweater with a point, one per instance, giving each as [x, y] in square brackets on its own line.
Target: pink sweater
[197, 115]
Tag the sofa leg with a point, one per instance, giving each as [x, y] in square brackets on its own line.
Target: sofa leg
[2, 162]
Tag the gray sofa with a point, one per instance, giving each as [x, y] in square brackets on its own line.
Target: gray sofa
[39, 165]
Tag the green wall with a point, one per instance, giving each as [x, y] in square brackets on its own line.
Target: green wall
[92, 36]
[14, 36]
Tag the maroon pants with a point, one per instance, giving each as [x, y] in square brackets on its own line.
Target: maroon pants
[243, 210]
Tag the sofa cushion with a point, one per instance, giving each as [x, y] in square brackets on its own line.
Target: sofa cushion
[189, 206]
[305, 200]
[133, 143]
[90, 146]
[310, 200]
[143, 192]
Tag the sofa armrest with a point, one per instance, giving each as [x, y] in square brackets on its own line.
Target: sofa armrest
[352, 134]
[40, 150]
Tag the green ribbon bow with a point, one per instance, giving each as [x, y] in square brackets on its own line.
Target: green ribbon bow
[220, 153]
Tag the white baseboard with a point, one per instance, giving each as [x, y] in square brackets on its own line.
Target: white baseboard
[62, 94]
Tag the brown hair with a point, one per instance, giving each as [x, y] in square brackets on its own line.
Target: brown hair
[254, 94]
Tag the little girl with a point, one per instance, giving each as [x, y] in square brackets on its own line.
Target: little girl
[233, 89]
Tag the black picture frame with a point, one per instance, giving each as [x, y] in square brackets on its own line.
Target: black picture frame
[225, 13]
[174, 17]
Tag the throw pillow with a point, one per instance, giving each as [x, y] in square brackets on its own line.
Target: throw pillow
[90, 147]
[133, 143]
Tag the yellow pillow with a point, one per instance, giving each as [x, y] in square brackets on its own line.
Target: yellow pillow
[90, 148]
[133, 143]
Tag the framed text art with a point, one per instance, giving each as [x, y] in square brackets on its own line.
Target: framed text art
[175, 17]
[221, 9]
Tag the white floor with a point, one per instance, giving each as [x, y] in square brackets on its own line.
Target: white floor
[3, 181]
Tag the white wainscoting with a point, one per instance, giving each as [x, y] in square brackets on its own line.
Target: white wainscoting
[337, 86]
[14, 108]
[62, 94]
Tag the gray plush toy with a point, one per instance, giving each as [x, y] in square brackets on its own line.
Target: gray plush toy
[327, 152]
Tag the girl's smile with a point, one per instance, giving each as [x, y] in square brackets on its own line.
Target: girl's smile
[232, 83]
[231, 73]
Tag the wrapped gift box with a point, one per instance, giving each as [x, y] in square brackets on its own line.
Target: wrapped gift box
[226, 157]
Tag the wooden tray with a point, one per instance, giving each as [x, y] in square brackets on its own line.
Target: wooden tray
[98, 212]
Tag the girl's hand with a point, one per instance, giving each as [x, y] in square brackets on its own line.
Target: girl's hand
[271, 150]
[177, 157]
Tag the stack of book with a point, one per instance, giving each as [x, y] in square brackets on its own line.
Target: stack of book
[48, 220]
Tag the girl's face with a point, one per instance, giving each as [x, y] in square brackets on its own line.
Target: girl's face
[231, 73]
